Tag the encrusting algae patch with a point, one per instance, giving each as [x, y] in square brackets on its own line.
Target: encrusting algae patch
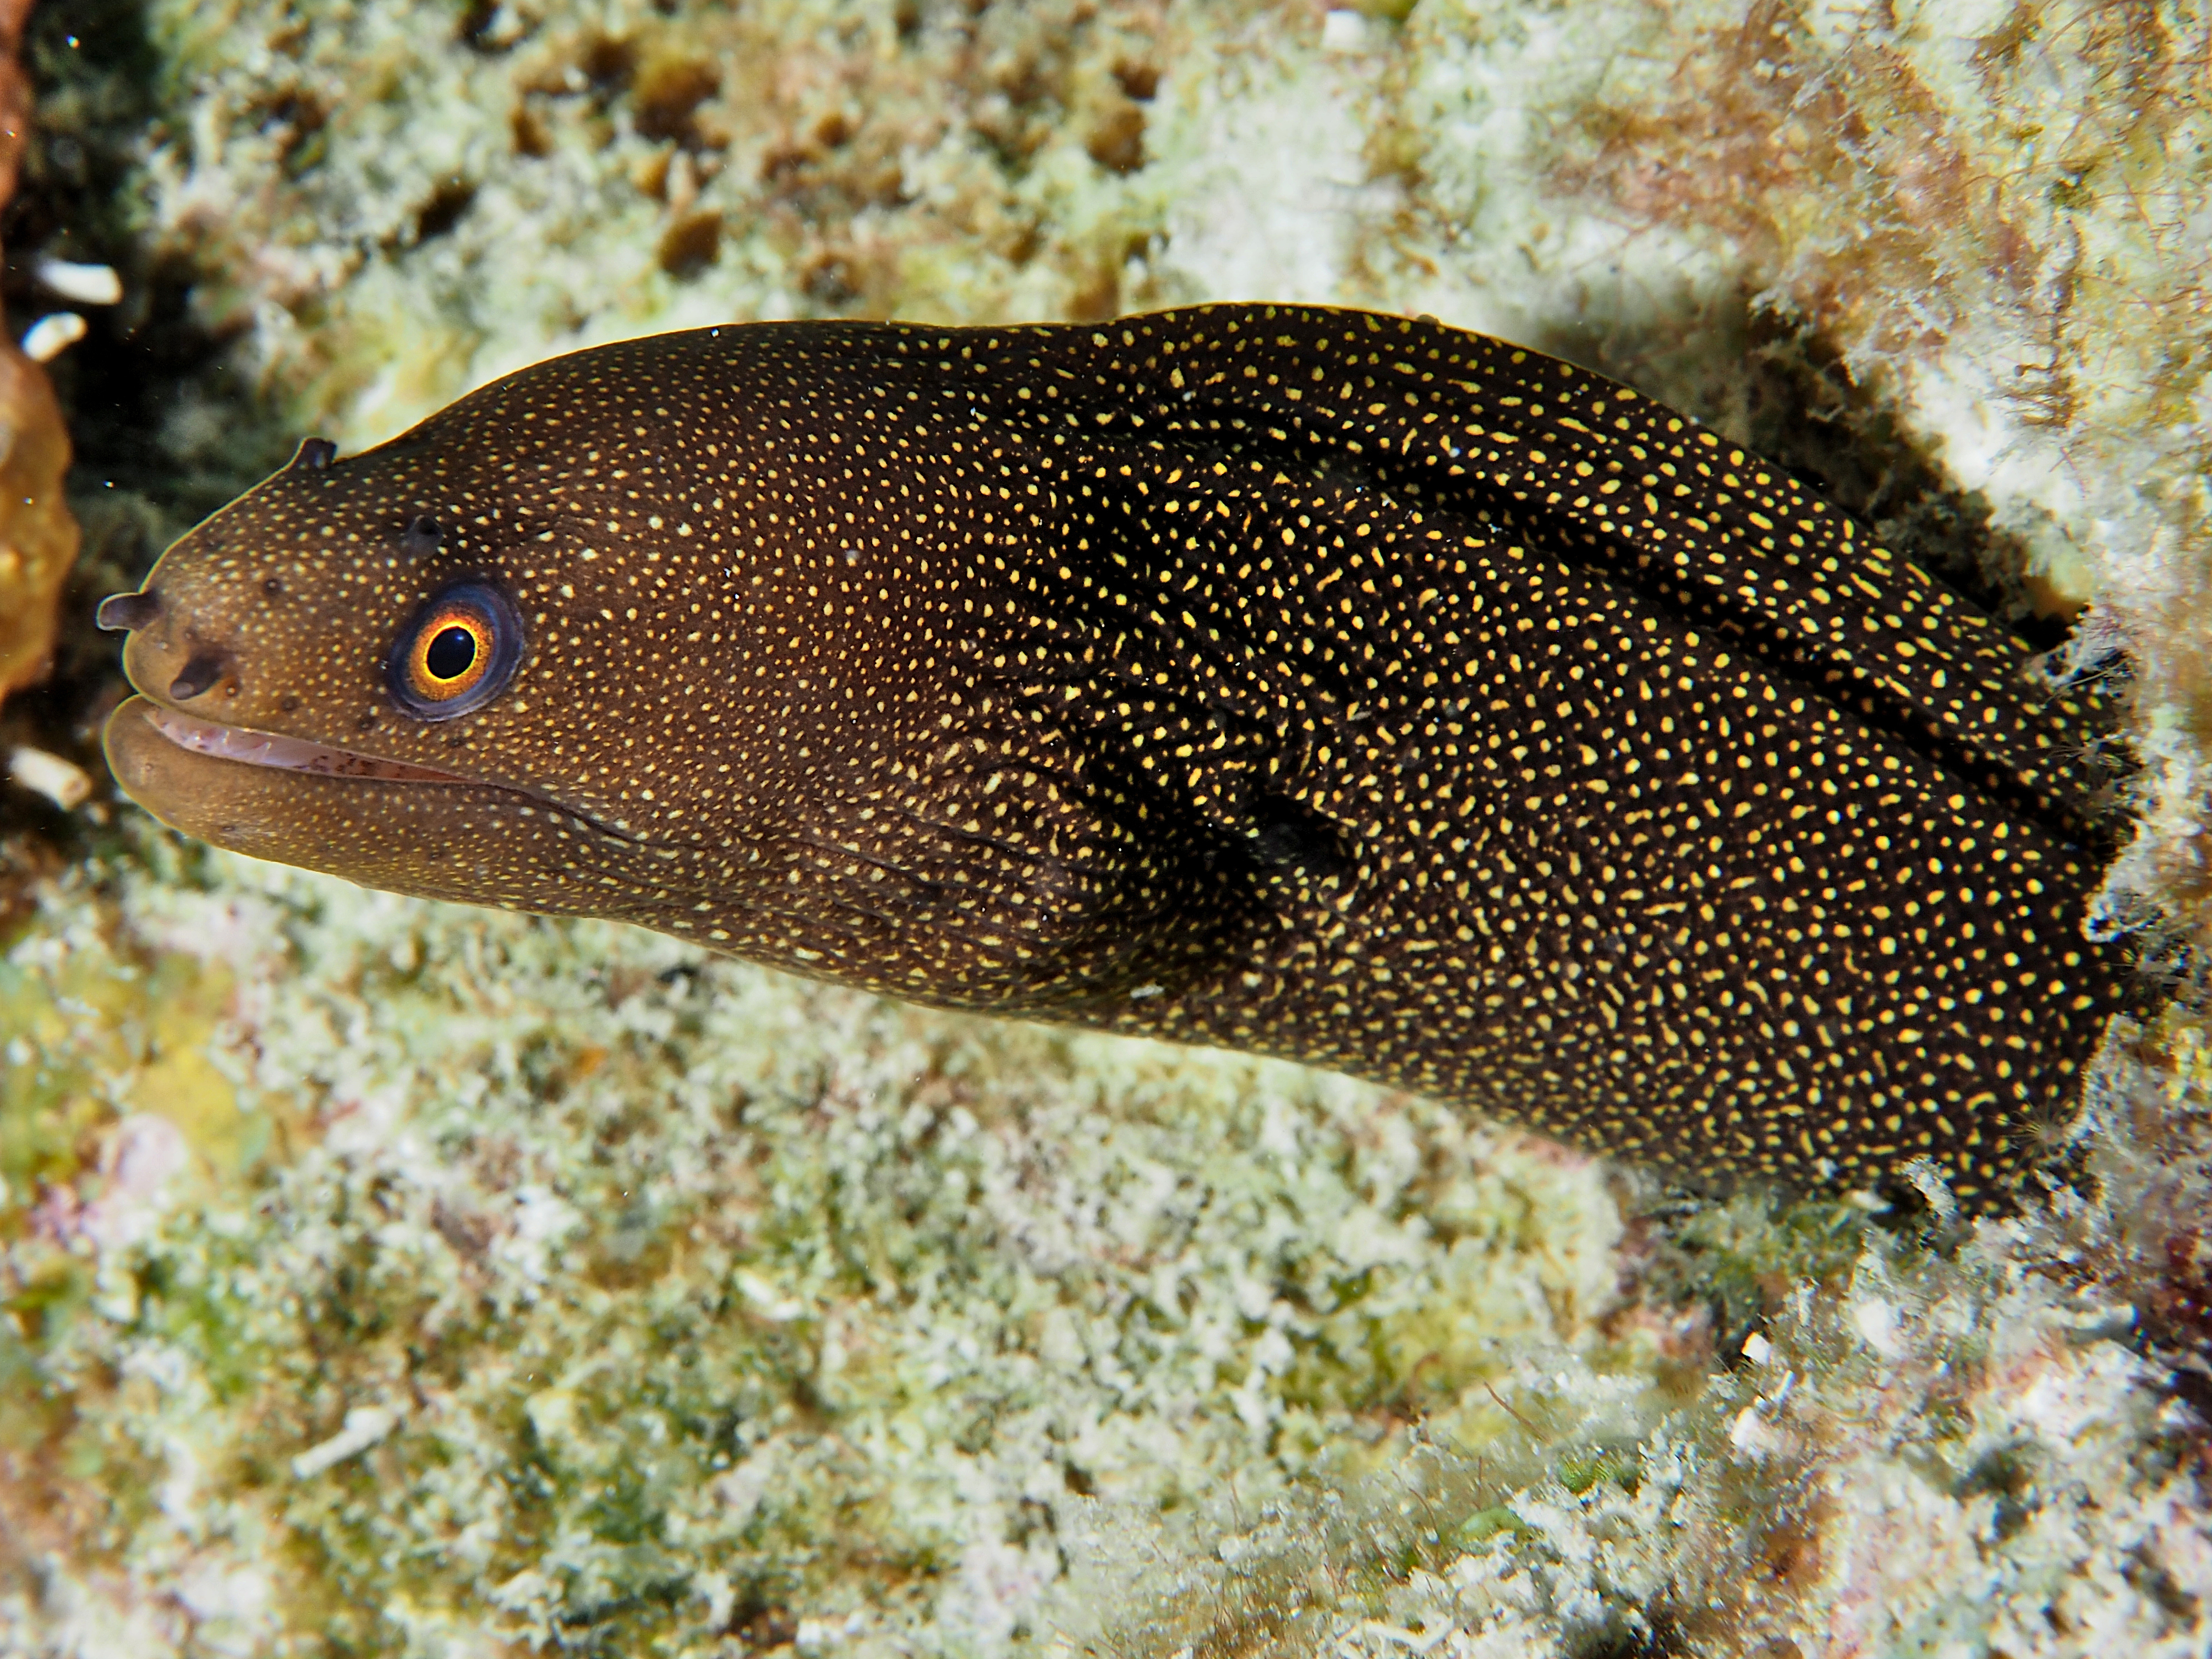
[671, 1305]
[483, 1284]
[675, 1293]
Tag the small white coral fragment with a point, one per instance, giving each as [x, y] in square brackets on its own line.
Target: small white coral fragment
[771, 1303]
[86, 284]
[52, 335]
[1876, 1321]
[365, 1425]
[61, 781]
[1343, 31]
[1756, 1436]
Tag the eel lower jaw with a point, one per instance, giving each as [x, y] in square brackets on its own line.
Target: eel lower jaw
[141, 733]
[252, 748]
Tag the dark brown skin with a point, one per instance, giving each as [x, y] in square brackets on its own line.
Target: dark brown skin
[1322, 684]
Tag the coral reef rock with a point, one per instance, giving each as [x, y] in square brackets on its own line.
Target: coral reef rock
[394, 1278]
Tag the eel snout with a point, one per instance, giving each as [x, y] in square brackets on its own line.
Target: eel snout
[169, 646]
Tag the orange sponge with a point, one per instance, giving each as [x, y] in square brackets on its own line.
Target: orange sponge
[37, 536]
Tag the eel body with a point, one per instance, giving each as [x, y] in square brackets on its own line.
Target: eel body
[1308, 681]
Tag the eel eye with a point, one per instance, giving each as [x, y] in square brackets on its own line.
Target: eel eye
[457, 653]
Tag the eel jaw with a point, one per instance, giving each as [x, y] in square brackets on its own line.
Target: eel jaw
[385, 824]
[282, 798]
[252, 748]
[286, 799]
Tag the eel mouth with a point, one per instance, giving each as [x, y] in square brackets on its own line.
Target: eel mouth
[251, 748]
[248, 790]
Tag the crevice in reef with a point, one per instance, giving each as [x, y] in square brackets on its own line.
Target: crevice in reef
[1786, 392]
[166, 427]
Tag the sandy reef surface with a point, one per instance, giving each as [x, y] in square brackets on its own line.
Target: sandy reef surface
[385, 1278]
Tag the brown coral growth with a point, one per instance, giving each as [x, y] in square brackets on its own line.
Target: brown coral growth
[1794, 155]
[38, 535]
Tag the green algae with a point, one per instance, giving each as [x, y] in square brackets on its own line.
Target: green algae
[81, 1036]
[671, 1313]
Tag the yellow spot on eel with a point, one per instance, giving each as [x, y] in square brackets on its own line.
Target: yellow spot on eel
[1310, 682]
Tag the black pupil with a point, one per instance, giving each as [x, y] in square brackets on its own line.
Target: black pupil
[451, 654]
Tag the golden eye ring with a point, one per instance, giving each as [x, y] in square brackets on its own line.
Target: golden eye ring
[457, 653]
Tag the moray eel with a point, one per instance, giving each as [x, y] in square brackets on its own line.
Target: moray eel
[1308, 681]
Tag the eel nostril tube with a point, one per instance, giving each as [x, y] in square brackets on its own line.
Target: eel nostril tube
[120, 613]
[423, 536]
[203, 671]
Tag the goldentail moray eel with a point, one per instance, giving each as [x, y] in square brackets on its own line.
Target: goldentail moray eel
[1310, 682]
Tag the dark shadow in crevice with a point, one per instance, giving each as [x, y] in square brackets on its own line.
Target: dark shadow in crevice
[1766, 379]
[165, 429]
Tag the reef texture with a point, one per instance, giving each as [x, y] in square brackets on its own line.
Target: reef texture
[37, 534]
[385, 1278]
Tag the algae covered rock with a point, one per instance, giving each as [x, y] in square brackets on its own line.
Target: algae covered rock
[388, 1277]
[525, 1278]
